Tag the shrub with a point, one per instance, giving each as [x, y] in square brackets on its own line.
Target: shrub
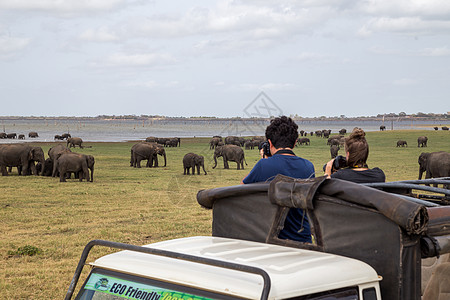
[26, 250]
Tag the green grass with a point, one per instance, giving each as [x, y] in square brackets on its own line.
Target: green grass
[138, 206]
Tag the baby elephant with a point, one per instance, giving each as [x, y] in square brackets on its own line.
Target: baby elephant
[401, 143]
[192, 160]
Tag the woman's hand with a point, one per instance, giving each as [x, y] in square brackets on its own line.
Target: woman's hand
[329, 168]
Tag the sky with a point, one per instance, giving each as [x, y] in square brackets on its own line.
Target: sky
[218, 58]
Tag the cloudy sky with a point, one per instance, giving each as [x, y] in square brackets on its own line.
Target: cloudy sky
[213, 58]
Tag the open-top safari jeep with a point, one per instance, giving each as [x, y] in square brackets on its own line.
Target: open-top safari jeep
[367, 244]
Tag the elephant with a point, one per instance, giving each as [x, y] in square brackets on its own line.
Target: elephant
[248, 145]
[47, 169]
[3, 135]
[162, 141]
[11, 135]
[74, 141]
[159, 151]
[235, 140]
[76, 163]
[33, 134]
[382, 128]
[337, 140]
[230, 153]
[21, 156]
[167, 142]
[444, 128]
[401, 143]
[422, 141]
[232, 140]
[302, 132]
[343, 131]
[213, 143]
[172, 142]
[146, 151]
[192, 160]
[326, 133]
[151, 139]
[53, 153]
[334, 150]
[435, 164]
[333, 141]
[175, 142]
[58, 137]
[436, 128]
[318, 133]
[256, 143]
[66, 135]
[21, 136]
[304, 140]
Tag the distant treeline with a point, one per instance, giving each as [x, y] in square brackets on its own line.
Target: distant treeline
[389, 116]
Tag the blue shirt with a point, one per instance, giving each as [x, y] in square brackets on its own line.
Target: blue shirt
[296, 226]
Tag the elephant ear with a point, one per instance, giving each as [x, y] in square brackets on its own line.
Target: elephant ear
[31, 154]
[423, 157]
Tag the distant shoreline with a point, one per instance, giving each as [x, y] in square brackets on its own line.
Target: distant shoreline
[212, 119]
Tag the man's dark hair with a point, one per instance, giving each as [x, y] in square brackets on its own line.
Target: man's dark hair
[282, 131]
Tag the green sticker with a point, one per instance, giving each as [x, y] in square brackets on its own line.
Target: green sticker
[133, 290]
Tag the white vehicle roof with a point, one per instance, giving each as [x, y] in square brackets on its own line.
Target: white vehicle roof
[293, 272]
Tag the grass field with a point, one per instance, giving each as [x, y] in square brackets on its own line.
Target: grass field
[139, 206]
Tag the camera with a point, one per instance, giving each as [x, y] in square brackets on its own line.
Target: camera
[266, 148]
[338, 163]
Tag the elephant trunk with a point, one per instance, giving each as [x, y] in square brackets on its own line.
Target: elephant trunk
[215, 161]
[165, 159]
[421, 170]
[92, 174]
[203, 166]
[41, 170]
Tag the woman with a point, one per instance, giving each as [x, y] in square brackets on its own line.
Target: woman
[357, 151]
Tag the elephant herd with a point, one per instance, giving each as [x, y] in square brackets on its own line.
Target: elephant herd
[63, 136]
[31, 134]
[150, 149]
[166, 142]
[325, 133]
[443, 128]
[61, 162]
[421, 142]
[334, 141]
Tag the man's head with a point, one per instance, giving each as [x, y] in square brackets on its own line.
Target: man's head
[282, 132]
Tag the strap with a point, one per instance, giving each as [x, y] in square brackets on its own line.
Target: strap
[285, 151]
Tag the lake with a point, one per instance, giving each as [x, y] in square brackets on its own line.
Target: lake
[115, 130]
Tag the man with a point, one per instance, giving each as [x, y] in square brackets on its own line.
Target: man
[282, 135]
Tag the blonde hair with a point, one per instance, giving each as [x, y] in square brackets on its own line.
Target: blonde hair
[357, 147]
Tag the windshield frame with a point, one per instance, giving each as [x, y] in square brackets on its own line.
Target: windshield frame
[156, 283]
